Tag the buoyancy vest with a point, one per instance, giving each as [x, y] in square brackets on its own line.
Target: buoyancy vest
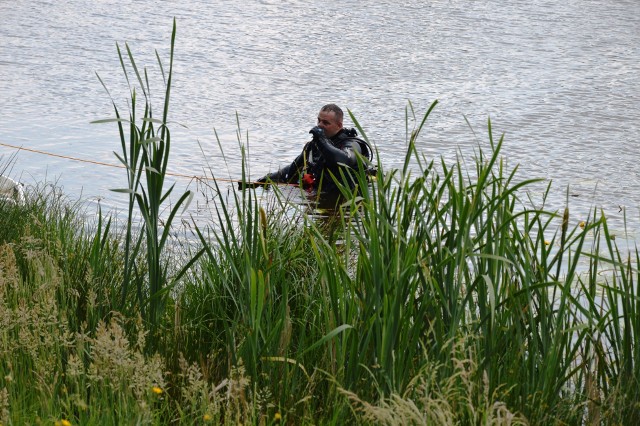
[365, 149]
[352, 135]
[318, 162]
[311, 163]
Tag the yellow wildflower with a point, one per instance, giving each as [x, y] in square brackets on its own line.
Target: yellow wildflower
[156, 390]
[63, 422]
[277, 417]
[547, 242]
[582, 224]
[207, 417]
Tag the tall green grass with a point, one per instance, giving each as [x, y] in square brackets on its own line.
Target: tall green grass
[146, 153]
[442, 297]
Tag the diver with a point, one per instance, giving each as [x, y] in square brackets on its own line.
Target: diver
[332, 149]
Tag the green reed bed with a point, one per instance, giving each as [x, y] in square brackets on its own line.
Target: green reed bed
[441, 296]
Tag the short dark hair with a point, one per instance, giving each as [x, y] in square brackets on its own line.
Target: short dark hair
[334, 108]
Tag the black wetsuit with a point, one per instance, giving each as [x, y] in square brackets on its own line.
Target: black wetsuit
[324, 154]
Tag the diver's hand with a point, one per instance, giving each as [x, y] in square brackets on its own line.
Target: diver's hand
[260, 182]
[317, 132]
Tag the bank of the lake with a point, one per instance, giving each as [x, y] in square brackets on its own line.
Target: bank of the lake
[444, 298]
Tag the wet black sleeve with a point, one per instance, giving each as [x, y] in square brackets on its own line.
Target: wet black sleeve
[345, 155]
[287, 174]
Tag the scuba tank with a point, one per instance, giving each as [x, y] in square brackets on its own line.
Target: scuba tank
[367, 151]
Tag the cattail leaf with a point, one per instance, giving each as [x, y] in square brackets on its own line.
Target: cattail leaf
[188, 200]
[328, 337]
[123, 190]
[150, 140]
[122, 160]
[111, 120]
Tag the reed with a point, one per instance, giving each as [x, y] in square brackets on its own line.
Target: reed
[146, 153]
[439, 298]
[613, 312]
[440, 256]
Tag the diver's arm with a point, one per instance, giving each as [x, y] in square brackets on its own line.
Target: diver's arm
[287, 174]
[332, 155]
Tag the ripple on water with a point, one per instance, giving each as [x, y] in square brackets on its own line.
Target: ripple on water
[559, 79]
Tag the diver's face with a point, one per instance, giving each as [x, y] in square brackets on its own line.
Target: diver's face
[327, 121]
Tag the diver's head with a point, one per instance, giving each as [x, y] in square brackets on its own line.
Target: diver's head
[330, 119]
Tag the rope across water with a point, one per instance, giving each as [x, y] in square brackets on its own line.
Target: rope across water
[100, 163]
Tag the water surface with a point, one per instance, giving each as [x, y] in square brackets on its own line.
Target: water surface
[559, 79]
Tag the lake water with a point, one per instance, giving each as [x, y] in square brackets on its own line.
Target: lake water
[561, 80]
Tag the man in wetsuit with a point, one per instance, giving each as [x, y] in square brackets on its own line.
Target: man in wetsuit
[333, 147]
